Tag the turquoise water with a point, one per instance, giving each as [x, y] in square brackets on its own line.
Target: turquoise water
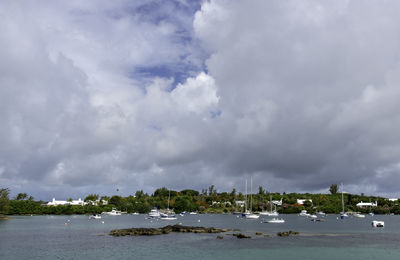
[77, 237]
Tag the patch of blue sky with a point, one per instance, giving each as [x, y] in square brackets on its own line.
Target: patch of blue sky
[215, 114]
[178, 72]
[180, 14]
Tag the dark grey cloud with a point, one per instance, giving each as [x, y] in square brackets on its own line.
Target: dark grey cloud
[298, 95]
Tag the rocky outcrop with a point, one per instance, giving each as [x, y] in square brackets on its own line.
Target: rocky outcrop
[287, 233]
[240, 235]
[164, 230]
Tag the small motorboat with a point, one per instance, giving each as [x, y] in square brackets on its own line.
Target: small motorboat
[250, 215]
[304, 213]
[168, 217]
[275, 221]
[95, 216]
[376, 223]
[113, 212]
[358, 215]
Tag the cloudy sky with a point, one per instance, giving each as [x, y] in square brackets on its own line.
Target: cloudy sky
[97, 96]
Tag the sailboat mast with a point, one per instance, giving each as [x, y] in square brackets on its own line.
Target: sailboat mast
[245, 197]
[169, 195]
[270, 201]
[342, 200]
[251, 193]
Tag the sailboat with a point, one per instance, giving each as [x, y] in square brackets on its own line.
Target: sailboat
[248, 213]
[343, 215]
[271, 213]
[169, 215]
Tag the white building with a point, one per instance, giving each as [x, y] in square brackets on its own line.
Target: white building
[367, 204]
[55, 202]
[393, 199]
[225, 203]
[240, 203]
[277, 202]
[301, 201]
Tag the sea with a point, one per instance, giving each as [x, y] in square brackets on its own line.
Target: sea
[78, 237]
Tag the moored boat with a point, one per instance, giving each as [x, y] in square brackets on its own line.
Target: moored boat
[376, 223]
[95, 216]
[358, 215]
[275, 221]
[113, 212]
[154, 213]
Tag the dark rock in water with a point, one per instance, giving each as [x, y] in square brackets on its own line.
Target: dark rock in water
[258, 233]
[240, 235]
[220, 237]
[164, 230]
[286, 234]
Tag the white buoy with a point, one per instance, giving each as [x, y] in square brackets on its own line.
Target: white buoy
[102, 222]
[198, 220]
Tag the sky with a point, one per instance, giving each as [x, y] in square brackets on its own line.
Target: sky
[110, 97]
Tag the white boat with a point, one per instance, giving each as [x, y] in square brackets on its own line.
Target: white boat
[304, 213]
[168, 217]
[168, 214]
[371, 214]
[193, 213]
[113, 212]
[312, 216]
[135, 213]
[248, 214]
[95, 216]
[323, 214]
[275, 221]
[358, 215]
[376, 223]
[154, 213]
[271, 213]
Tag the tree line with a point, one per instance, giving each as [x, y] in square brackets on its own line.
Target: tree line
[206, 201]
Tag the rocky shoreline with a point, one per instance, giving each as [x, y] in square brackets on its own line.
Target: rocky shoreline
[165, 230]
[188, 229]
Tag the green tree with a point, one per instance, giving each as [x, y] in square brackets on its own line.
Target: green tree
[21, 196]
[190, 192]
[211, 190]
[91, 197]
[333, 189]
[261, 191]
[4, 200]
[139, 194]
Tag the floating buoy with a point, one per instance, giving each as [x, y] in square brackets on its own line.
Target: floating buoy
[102, 222]
[198, 220]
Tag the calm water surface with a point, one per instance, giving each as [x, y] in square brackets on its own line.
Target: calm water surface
[77, 237]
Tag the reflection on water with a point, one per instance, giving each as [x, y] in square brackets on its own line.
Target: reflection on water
[77, 237]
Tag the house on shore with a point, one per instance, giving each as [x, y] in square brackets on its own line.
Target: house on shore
[367, 204]
[301, 201]
[55, 202]
[277, 202]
